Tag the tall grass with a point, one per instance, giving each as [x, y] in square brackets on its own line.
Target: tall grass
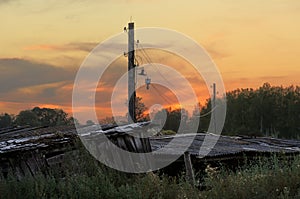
[82, 177]
[268, 178]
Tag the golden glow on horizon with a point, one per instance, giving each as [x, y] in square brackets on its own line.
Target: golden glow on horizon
[251, 41]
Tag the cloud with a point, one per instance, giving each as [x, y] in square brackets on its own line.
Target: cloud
[15, 107]
[215, 51]
[6, 1]
[31, 83]
[19, 73]
[76, 46]
[255, 82]
[59, 93]
[25, 84]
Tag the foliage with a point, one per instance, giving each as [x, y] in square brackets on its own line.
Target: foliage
[51, 117]
[83, 177]
[6, 120]
[140, 109]
[140, 113]
[268, 110]
[107, 120]
[27, 117]
[167, 132]
[89, 122]
[80, 176]
[276, 178]
[173, 119]
[37, 117]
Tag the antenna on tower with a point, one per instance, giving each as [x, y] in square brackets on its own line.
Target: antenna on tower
[213, 106]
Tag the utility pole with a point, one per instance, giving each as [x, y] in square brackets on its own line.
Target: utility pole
[131, 75]
[213, 107]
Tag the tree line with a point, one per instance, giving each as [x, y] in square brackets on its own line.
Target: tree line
[36, 117]
[266, 111]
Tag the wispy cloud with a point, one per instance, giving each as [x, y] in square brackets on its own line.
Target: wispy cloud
[76, 46]
[19, 73]
[6, 1]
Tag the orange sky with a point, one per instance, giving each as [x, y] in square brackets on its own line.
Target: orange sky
[43, 43]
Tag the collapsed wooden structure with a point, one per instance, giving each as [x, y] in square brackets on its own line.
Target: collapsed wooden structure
[27, 150]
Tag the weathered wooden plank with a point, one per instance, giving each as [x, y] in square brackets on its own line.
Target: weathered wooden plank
[42, 145]
[189, 168]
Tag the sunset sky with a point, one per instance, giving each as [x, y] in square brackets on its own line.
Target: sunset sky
[43, 42]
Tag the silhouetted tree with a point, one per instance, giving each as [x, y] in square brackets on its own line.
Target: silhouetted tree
[107, 121]
[89, 122]
[27, 117]
[140, 109]
[72, 121]
[172, 119]
[51, 117]
[43, 117]
[6, 120]
[268, 110]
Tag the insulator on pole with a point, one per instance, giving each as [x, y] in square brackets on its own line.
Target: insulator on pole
[148, 82]
[142, 72]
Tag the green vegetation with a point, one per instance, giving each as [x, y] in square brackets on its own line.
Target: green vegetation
[167, 132]
[174, 118]
[6, 120]
[269, 111]
[83, 177]
[266, 111]
[266, 179]
[37, 117]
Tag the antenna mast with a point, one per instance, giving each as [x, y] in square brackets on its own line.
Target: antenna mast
[213, 107]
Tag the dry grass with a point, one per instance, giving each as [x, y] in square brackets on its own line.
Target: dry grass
[84, 178]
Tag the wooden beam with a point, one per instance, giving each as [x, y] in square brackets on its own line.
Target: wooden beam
[189, 168]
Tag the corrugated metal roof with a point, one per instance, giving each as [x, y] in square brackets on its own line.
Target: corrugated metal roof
[28, 138]
[227, 145]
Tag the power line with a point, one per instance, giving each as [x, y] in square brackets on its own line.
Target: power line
[162, 95]
[148, 59]
[211, 111]
[166, 99]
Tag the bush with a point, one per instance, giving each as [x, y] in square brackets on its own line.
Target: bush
[168, 132]
[83, 177]
[266, 179]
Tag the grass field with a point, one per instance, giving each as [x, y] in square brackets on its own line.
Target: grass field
[82, 177]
